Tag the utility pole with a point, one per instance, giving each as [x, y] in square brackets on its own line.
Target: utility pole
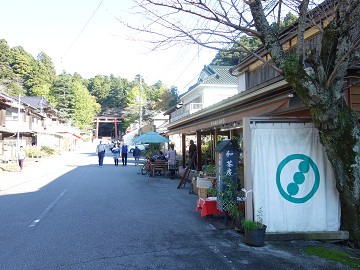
[19, 126]
[140, 113]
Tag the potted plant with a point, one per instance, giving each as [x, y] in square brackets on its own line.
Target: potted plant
[232, 205]
[212, 192]
[210, 170]
[254, 231]
[236, 214]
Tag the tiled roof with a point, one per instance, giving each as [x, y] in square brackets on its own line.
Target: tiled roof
[5, 97]
[220, 75]
[35, 102]
[212, 74]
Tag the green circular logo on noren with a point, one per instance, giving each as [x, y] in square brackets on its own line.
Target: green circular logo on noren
[299, 178]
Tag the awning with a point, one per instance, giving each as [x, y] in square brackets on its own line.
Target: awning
[6, 130]
[233, 114]
[21, 130]
[69, 134]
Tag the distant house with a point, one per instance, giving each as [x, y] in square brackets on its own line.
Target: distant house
[214, 84]
[36, 123]
[160, 121]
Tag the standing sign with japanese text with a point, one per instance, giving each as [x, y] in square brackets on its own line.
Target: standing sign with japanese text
[226, 167]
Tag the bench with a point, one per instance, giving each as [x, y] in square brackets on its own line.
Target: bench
[159, 165]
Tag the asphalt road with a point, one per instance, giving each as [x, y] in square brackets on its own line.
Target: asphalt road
[68, 213]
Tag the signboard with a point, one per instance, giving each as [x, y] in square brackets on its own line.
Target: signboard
[227, 168]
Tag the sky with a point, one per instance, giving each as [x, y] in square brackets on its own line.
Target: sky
[85, 36]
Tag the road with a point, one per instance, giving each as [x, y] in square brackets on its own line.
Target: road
[68, 213]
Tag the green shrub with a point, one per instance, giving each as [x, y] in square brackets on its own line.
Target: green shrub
[250, 225]
[334, 255]
[48, 151]
[32, 152]
[212, 192]
[9, 167]
[210, 169]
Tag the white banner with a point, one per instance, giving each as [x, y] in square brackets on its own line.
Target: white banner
[293, 181]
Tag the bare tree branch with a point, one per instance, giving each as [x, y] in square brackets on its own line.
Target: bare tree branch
[303, 8]
[339, 63]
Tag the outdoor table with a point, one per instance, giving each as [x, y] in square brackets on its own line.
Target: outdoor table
[207, 206]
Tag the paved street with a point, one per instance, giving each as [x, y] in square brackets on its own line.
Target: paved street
[68, 213]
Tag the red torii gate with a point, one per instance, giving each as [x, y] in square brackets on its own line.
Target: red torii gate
[106, 119]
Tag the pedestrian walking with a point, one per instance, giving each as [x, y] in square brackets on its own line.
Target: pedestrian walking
[171, 156]
[116, 152]
[21, 157]
[136, 155]
[100, 150]
[124, 152]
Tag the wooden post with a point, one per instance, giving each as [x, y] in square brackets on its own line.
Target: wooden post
[183, 146]
[115, 126]
[248, 182]
[97, 128]
[198, 146]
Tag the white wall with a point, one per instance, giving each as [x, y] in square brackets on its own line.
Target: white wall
[211, 94]
[129, 136]
[215, 94]
[241, 83]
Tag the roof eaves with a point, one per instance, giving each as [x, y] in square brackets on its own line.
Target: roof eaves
[284, 35]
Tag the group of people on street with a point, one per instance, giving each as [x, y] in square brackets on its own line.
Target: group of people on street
[122, 151]
[117, 152]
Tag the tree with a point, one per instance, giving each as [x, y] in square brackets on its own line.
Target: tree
[136, 95]
[100, 88]
[218, 24]
[41, 77]
[22, 62]
[62, 94]
[117, 93]
[73, 100]
[9, 83]
[232, 57]
[289, 19]
[6, 71]
[166, 98]
[85, 106]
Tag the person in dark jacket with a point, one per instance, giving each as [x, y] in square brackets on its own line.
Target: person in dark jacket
[161, 156]
[124, 152]
[192, 152]
[136, 155]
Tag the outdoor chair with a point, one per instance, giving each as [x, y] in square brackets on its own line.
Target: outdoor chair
[159, 165]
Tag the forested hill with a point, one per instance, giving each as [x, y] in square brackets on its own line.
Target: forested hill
[77, 98]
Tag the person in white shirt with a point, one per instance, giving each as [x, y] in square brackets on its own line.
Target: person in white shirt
[21, 157]
[172, 161]
[100, 150]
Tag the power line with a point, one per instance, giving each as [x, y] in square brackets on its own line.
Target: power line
[82, 30]
[204, 24]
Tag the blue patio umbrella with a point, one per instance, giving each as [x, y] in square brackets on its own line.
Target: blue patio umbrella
[150, 137]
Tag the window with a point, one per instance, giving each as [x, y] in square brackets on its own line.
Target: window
[12, 114]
